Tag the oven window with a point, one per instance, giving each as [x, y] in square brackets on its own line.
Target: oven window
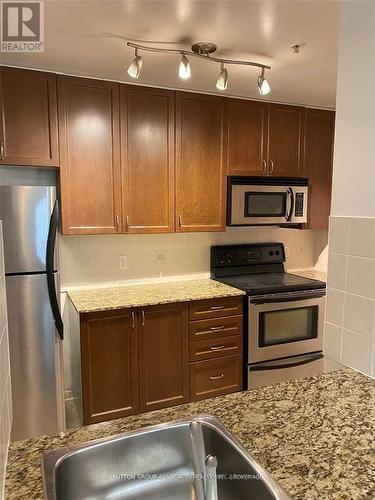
[265, 204]
[288, 325]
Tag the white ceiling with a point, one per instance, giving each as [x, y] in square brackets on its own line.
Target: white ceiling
[86, 37]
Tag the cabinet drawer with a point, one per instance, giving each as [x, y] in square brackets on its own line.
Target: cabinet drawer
[215, 377]
[215, 348]
[214, 308]
[215, 328]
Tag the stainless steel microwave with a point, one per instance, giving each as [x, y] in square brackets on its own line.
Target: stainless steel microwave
[267, 201]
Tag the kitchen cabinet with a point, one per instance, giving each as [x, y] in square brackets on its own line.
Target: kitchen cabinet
[109, 354]
[163, 356]
[89, 156]
[265, 139]
[319, 134]
[28, 125]
[285, 140]
[201, 162]
[147, 159]
[247, 137]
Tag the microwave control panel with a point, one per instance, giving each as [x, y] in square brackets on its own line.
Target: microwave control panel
[299, 204]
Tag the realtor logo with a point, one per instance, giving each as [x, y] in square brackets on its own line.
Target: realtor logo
[22, 26]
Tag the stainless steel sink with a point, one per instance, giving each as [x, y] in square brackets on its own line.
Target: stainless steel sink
[196, 458]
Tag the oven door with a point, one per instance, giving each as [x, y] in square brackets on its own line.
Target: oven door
[285, 324]
[261, 205]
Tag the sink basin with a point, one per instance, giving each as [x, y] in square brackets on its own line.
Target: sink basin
[196, 458]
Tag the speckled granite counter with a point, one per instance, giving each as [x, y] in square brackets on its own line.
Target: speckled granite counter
[310, 273]
[316, 436]
[101, 299]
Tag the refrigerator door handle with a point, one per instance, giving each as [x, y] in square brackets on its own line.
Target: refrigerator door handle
[54, 224]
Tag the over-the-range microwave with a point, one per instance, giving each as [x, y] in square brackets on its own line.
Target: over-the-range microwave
[278, 201]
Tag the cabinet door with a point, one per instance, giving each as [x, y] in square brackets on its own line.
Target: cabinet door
[163, 356]
[285, 140]
[109, 353]
[319, 132]
[247, 132]
[89, 156]
[147, 159]
[28, 118]
[200, 162]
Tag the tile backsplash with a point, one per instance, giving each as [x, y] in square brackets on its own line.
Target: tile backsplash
[350, 313]
[86, 260]
[5, 389]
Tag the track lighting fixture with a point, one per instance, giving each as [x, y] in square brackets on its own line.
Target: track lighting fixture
[222, 81]
[134, 69]
[184, 71]
[263, 85]
[203, 50]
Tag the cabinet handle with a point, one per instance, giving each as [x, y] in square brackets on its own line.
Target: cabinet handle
[264, 168]
[217, 348]
[271, 162]
[179, 221]
[127, 223]
[2, 151]
[216, 308]
[217, 377]
[217, 328]
[117, 222]
[143, 318]
[133, 319]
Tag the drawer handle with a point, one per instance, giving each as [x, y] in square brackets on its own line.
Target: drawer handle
[217, 328]
[217, 377]
[216, 308]
[217, 348]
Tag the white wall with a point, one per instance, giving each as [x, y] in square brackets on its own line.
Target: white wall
[5, 388]
[350, 314]
[354, 155]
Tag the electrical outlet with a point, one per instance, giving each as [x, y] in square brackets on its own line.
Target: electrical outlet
[123, 262]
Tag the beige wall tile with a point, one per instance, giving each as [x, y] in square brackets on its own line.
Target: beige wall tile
[357, 351]
[361, 276]
[362, 237]
[359, 315]
[337, 271]
[332, 341]
[335, 306]
[338, 234]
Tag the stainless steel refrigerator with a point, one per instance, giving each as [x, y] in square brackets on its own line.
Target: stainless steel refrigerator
[30, 221]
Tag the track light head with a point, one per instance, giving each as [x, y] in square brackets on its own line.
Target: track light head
[135, 66]
[184, 70]
[222, 81]
[263, 85]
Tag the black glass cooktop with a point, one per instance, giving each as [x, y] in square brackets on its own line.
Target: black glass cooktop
[256, 284]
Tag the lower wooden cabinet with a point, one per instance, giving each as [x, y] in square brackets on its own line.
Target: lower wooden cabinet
[163, 356]
[137, 360]
[109, 355]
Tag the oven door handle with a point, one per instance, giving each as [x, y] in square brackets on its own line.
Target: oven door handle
[289, 213]
[286, 363]
[277, 300]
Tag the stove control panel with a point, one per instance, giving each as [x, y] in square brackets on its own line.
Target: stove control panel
[245, 255]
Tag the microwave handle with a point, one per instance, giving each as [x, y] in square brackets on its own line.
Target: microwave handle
[290, 194]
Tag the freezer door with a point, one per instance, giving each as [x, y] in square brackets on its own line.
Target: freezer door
[26, 212]
[34, 357]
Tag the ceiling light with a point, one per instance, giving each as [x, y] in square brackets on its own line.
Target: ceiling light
[134, 69]
[263, 85]
[222, 81]
[184, 69]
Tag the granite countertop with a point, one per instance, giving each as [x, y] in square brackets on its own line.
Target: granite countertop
[310, 273]
[101, 299]
[315, 435]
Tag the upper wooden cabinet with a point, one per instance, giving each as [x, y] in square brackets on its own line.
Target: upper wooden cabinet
[147, 159]
[89, 156]
[201, 122]
[265, 139]
[109, 353]
[319, 134]
[163, 356]
[285, 140]
[28, 127]
[247, 137]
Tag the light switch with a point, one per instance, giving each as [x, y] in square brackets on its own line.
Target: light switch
[123, 262]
